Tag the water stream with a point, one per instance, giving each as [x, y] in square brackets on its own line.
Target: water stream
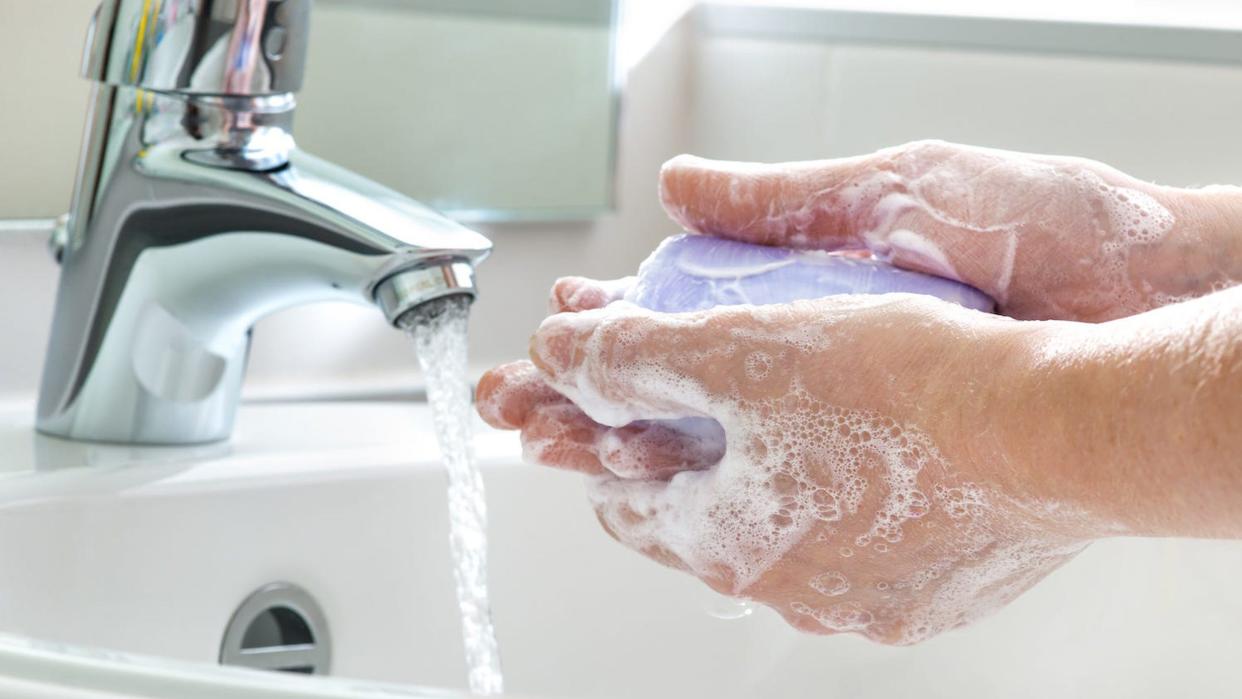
[438, 329]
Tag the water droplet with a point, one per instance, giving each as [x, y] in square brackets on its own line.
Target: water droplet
[728, 608]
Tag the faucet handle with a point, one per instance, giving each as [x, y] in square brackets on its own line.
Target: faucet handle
[199, 47]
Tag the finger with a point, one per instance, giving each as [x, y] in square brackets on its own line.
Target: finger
[630, 526]
[562, 436]
[802, 204]
[660, 450]
[626, 364]
[665, 521]
[656, 552]
[573, 294]
[506, 394]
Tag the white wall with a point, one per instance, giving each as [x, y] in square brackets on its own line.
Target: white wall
[42, 103]
[767, 99]
[490, 112]
[1201, 13]
[376, 82]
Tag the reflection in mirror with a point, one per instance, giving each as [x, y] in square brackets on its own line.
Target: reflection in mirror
[485, 109]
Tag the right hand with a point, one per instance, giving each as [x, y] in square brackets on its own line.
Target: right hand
[846, 484]
[1047, 237]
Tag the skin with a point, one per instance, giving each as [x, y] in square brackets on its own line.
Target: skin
[1117, 412]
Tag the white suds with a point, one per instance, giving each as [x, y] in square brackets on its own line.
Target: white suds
[830, 584]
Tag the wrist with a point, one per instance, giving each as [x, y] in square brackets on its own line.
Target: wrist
[1135, 420]
[1045, 427]
[998, 415]
[1203, 251]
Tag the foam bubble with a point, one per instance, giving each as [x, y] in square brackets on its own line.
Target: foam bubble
[972, 590]
[830, 584]
[555, 438]
[681, 444]
[789, 464]
[839, 617]
[919, 248]
[758, 365]
[961, 501]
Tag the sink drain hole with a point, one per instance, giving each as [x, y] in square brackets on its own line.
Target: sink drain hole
[278, 627]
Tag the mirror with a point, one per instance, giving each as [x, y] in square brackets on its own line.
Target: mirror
[489, 110]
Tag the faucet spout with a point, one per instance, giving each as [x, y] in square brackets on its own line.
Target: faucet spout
[194, 217]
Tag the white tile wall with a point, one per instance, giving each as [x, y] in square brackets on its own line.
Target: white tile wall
[1172, 122]
[760, 99]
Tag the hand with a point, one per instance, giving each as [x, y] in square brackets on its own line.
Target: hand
[848, 486]
[893, 465]
[1047, 237]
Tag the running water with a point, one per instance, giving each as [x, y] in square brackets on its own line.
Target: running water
[438, 329]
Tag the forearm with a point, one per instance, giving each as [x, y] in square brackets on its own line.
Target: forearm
[1139, 421]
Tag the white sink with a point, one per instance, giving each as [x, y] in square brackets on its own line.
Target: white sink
[149, 551]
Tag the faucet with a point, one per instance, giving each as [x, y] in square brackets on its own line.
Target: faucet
[194, 215]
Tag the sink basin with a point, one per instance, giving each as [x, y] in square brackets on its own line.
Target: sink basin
[149, 551]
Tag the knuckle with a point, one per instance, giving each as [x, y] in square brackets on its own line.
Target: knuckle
[610, 330]
[931, 146]
[618, 339]
[915, 156]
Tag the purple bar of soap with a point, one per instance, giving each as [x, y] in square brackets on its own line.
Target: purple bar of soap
[693, 272]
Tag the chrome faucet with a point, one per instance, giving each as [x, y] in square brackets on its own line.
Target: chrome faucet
[194, 215]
